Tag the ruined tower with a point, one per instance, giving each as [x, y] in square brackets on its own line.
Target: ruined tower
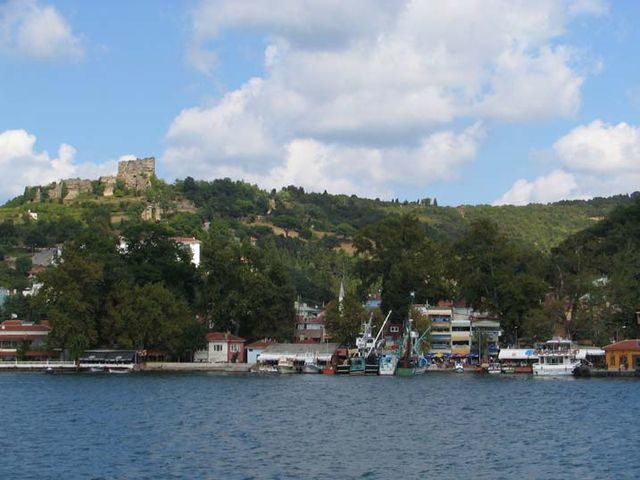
[136, 174]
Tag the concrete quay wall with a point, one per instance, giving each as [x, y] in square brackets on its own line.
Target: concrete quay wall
[196, 367]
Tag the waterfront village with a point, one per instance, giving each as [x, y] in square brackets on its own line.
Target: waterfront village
[460, 340]
[453, 337]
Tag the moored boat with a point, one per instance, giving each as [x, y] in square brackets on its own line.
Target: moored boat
[311, 364]
[357, 366]
[387, 364]
[286, 365]
[494, 368]
[557, 357]
[343, 367]
[118, 370]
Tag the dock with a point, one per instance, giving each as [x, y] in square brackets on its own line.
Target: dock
[603, 372]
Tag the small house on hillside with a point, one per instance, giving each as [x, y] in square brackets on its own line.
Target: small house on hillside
[222, 347]
[624, 355]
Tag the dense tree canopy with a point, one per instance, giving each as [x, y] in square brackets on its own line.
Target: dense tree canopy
[397, 253]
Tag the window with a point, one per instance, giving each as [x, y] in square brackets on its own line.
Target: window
[217, 347]
[235, 347]
[394, 329]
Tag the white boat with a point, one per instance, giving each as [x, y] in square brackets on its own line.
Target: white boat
[423, 363]
[388, 364]
[267, 368]
[118, 370]
[311, 364]
[285, 365]
[459, 367]
[556, 357]
[494, 368]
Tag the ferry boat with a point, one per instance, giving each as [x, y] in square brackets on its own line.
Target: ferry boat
[557, 357]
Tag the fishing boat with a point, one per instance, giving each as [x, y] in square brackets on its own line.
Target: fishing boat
[558, 356]
[409, 363]
[408, 360]
[343, 367]
[357, 366]
[366, 361]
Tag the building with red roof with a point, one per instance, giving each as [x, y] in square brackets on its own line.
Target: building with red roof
[623, 355]
[27, 339]
[222, 347]
[256, 348]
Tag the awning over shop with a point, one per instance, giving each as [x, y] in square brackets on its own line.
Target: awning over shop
[583, 353]
[298, 352]
[517, 354]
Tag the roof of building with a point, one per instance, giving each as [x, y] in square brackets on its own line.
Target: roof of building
[186, 240]
[22, 326]
[44, 257]
[623, 345]
[223, 337]
[261, 343]
[298, 351]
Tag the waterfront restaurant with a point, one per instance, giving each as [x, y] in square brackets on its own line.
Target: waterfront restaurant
[623, 355]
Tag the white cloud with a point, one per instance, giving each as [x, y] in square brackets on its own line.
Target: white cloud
[22, 165]
[31, 30]
[601, 148]
[390, 82]
[597, 159]
[548, 188]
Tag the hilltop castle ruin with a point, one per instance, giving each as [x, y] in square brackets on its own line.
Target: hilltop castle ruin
[136, 174]
[133, 175]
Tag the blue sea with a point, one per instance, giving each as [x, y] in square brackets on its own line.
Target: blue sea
[206, 426]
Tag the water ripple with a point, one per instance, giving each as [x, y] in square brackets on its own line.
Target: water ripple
[316, 427]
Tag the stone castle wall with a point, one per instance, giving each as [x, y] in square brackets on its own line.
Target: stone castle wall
[75, 186]
[108, 186]
[136, 174]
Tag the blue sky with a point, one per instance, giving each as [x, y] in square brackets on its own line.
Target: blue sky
[475, 101]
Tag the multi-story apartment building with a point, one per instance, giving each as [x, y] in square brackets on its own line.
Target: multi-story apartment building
[460, 331]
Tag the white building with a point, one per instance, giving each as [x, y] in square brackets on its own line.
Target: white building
[221, 348]
[193, 245]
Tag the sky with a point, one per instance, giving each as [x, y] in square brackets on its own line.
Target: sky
[468, 101]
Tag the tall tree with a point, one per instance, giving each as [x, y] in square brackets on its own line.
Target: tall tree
[397, 253]
[496, 275]
[343, 323]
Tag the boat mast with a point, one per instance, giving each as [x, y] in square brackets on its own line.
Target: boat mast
[375, 341]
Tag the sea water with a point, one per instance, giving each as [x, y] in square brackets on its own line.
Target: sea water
[205, 426]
